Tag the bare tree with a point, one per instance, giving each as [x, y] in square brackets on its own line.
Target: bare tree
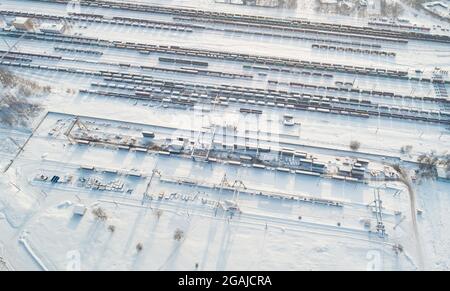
[355, 145]
[15, 107]
[390, 9]
[16, 111]
[446, 162]
[100, 214]
[397, 248]
[428, 164]
[406, 150]
[290, 4]
[179, 234]
[158, 213]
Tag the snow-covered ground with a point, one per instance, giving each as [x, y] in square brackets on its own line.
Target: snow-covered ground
[283, 223]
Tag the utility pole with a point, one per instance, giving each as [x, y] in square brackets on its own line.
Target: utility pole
[378, 208]
[14, 46]
[147, 189]
[237, 184]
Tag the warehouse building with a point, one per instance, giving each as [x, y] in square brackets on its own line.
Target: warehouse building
[23, 23]
[56, 28]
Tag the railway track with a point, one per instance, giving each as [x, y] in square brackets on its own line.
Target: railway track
[302, 102]
[335, 29]
[220, 55]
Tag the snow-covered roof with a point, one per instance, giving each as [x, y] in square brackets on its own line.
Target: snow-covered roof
[21, 20]
[443, 173]
[79, 209]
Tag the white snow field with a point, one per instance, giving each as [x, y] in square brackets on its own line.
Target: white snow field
[194, 135]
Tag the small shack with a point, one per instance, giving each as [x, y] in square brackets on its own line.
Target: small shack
[443, 174]
[23, 23]
[79, 210]
[55, 28]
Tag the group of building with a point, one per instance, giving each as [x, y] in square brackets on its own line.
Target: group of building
[440, 9]
[346, 4]
[27, 24]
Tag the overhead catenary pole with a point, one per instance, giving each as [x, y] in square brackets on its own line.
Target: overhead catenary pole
[147, 189]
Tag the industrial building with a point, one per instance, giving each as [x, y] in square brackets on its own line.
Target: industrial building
[23, 23]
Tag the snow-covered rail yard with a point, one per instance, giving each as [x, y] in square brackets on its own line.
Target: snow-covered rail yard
[195, 135]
